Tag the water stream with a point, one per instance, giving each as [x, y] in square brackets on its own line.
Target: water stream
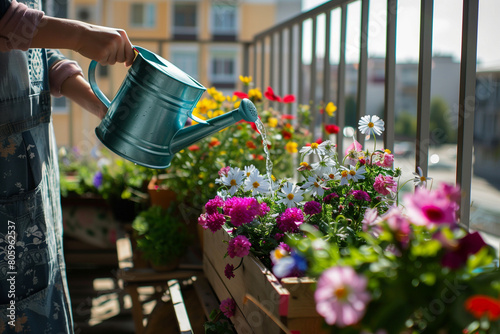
[269, 163]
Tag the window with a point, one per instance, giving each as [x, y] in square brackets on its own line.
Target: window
[185, 26]
[186, 60]
[143, 15]
[224, 20]
[223, 68]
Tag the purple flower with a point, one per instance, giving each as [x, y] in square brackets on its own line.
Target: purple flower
[312, 208]
[213, 204]
[290, 266]
[278, 236]
[385, 184]
[238, 246]
[229, 271]
[398, 224]
[430, 207]
[458, 254]
[228, 307]
[290, 220]
[329, 197]
[242, 210]
[224, 171]
[361, 195]
[98, 178]
[341, 296]
[215, 221]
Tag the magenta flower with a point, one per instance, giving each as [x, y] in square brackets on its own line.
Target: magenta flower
[398, 224]
[213, 204]
[361, 195]
[264, 209]
[458, 254]
[242, 210]
[215, 221]
[341, 296]
[224, 171]
[290, 220]
[430, 207]
[229, 271]
[329, 197]
[312, 208]
[228, 307]
[384, 185]
[238, 246]
[386, 160]
[370, 222]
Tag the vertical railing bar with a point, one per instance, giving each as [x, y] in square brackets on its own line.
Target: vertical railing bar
[246, 61]
[424, 86]
[291, 72]
[326, 69]
[390, 74]
[281, 64]
[262, 63]
[300, 81]
[272, 68]
[466, 108]
[312, 84]
[255, 55]
[340, 118]
[362, 68]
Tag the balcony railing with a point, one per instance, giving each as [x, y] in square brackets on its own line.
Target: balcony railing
[275, 58]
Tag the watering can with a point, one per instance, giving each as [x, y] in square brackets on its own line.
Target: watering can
[145, 120]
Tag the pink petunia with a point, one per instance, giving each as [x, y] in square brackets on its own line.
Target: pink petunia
[213, 204]
[341, 296]
[384, 185]
[238, 246]
[228, 307]
[242, 210]
[229, 271]
[427, 207]
[290, 220]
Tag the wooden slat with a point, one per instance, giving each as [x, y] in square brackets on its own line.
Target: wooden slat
[291, 69]
[341, 80]
[208, 299]
[180, 309]
[312, 79]
[326, 69]
[390, 74]
[262, 63]
[363, 66]
[300, 79]
[466, 107]
[424, 86]
[301, 297]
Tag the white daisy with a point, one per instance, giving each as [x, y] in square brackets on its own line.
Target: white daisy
[420, 180]
[233, 180]
[291, 195]
[249, 170]
[344, 173]
[257, 184]
[314, 148]
[333, 175]
[356, 174]
[371, 124]
[314, 185]
[323, 166]
[329, 147]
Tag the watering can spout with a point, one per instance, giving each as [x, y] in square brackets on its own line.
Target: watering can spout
[191, 134]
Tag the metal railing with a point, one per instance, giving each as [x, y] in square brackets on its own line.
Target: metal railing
[275, 58]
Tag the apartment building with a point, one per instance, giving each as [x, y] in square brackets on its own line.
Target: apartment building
[202, 37]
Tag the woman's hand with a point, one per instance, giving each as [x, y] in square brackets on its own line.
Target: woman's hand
[77, 89]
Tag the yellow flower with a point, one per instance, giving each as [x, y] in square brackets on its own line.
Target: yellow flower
[211, 185]
[291, 147]
[246, 80]
[330, 109]
[237, 104]
[255, 94]
[387, 151]
[272, 122]
[273, 178]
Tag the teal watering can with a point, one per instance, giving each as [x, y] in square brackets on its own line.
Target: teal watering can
[145, 120]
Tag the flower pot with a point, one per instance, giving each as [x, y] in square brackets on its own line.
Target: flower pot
[291, 300]
[160, 196]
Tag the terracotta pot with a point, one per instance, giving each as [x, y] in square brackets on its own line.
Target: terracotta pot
[159, 195]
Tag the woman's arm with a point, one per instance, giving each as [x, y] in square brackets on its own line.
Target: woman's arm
[77, 89]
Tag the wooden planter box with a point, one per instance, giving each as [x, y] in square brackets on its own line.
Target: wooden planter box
[291, 300]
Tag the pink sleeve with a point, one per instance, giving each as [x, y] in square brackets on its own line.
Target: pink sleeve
[18, 26]
[61, 71]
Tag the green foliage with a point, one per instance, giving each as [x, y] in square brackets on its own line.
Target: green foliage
[218, 324]
[161, 235]
[406, 125]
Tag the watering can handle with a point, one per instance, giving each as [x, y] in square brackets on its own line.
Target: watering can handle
[93, 84]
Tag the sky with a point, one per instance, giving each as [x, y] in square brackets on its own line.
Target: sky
[446, 30]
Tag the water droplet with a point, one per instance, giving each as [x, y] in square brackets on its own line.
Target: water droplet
[269, 163]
